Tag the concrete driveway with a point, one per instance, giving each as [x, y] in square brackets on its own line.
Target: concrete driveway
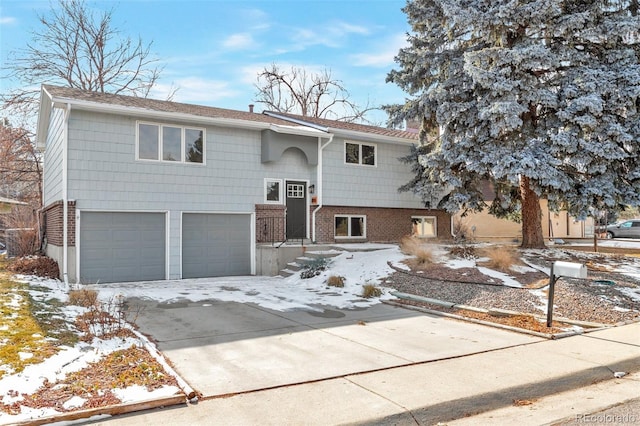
[223, 348]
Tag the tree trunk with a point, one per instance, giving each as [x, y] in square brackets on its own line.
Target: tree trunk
[531, 216]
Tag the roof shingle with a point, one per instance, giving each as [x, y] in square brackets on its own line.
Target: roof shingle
[213, 112]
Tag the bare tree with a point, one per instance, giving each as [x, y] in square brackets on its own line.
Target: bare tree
[20, 165]
[78, 48]
[308, 94]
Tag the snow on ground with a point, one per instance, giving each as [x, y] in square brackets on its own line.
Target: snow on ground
[277, 293]
[65, 361]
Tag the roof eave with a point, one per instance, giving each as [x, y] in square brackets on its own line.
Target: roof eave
[353, 134]
[161, 115]
[44, 112]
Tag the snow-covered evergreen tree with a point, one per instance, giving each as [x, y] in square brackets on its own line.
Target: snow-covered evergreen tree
[539, 98]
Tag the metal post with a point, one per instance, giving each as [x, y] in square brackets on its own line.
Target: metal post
[552, 284]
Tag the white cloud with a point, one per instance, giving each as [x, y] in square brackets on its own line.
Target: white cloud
[239, 41]
[195, 90]
[7, 20]
[382, 56]
[341, 28]
[332, 34]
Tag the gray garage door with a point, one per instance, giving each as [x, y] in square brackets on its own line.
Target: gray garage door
[119, 247]
[215, 245]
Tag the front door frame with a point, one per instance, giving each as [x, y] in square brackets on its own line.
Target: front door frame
[300, 218]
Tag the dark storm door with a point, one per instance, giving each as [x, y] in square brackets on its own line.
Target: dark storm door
[296, 209]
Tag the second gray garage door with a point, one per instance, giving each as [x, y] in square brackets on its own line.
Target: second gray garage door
[119, 247]
[215, 245]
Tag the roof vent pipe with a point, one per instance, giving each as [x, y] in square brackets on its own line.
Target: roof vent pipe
[250, 107]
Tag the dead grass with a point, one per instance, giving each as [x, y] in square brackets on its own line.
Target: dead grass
[94, 383]
[370, 290]
[335, 281]
[85, 298]
[18, 326]
[501, 258]
[422, 256]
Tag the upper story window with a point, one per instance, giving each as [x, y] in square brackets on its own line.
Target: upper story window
[170, 143]
[363, 154]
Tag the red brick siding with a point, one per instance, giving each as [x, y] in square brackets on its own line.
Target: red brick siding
[383, 224]
[270, 223]
[54, 225]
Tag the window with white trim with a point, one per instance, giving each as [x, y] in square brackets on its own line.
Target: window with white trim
[363, 154]
[424, 226]
[348, 226]
[170, 143]
[273, 191]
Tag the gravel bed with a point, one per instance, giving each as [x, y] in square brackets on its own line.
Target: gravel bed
[574, 299]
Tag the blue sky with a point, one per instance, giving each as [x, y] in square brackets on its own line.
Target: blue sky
[213, 49]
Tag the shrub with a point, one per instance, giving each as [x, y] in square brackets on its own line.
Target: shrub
[501, 258]
[461, 231]
[463, 251]
[313, 268]
[335, 281]
[85, 298]
[41, 266]
[370, 290]
[414, 247]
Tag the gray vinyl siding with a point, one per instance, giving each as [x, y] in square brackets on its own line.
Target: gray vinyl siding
[52, 171]
[105, 176]
[367, 186]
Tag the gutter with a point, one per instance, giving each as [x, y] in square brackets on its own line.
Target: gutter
[297, 121]
[319, 179]
[65, 196]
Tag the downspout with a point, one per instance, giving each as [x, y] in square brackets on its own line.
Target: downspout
[319, 184]
[65, 197]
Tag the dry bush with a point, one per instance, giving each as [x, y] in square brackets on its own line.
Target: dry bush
[501, 258]
[370, 290]
[423, 256]
[335, 281]
[463, 251]
[41, 266]
[85, 298]
[461, 231]
[21, 234]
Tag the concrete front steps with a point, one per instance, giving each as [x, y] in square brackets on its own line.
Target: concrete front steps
[310, 256]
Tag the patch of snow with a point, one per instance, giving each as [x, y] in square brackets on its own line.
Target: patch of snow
[522, 269]
[132, 393]
[460, 263]
[25, 355]
[508, 280]
[74, 402]
[277, 293]
[633, 293]
[66, 361]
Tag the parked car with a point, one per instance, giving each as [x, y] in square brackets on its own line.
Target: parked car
[627, 229]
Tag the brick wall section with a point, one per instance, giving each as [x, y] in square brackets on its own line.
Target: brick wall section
[270, 223]
[54, 213]
[383, 224]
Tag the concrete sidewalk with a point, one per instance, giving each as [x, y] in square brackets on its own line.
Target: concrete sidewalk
[475, 387]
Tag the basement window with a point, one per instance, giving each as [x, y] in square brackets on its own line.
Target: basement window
[347, 226]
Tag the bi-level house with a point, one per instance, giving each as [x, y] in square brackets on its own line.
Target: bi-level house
[139, 189]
